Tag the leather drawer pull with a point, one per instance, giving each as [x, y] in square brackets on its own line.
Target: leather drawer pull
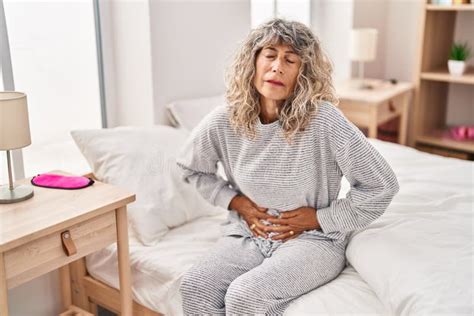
[391, 106]
[68, 245]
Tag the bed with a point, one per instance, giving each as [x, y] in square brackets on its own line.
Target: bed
[416, 259]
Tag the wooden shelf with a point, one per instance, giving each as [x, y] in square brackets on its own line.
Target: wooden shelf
[442, 138]
[444, 75]
[453, 7]
[433, 96]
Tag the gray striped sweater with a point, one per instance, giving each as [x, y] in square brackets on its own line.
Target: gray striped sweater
[283, 177]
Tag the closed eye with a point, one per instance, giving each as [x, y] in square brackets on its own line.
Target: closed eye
[289, 61]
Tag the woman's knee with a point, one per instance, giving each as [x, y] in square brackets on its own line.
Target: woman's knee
[200, 291]
[195, 281]
[189, 282]
[243, 297]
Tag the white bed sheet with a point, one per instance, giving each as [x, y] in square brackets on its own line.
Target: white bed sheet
[418, 256]
[157, 273]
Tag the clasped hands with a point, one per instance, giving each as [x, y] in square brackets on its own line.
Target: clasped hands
[290, 224]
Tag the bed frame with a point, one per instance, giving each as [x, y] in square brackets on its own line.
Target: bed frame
[88, 293]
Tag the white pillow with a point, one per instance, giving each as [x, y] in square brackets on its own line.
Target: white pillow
[418, 256]
[143, 161]
[188, 113]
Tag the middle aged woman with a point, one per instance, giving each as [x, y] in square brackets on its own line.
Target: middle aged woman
[284, 147]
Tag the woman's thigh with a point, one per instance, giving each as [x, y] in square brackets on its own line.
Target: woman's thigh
[232, 254]
[296, 267]
[206, 282]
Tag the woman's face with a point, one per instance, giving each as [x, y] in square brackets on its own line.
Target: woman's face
[277, 68]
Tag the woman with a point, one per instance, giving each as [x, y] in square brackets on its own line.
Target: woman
[284, 147]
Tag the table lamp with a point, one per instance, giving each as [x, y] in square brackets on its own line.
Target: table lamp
[363, 48]
[14, 134]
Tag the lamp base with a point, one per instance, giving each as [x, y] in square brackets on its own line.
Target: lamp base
[18, 194]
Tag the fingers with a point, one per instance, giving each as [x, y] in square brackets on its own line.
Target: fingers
[261, 209]
[285, 232]
[258, 229]
[263, 215]
[279, 221]
[278, 229]
[286, 236]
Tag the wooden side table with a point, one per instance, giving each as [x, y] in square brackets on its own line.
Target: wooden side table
[371, 107]
[56, 227]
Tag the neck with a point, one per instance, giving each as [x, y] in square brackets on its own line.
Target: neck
[269, 109]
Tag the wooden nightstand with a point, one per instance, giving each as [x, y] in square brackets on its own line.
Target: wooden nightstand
[33, 234]
[370, 108]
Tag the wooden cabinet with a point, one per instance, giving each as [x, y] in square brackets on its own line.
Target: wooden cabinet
[58, 227]
[430, 130]
[368, 108]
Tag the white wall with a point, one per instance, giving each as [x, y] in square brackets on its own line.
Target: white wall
[192, 43]
[401, 33]
[128, 65]
[372, 13]
[39, 297]
[331, 22]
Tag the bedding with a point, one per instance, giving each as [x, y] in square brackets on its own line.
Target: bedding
[416, 259]
[143, 160]
[187, 113]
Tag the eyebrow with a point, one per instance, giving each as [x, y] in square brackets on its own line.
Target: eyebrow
[274, 49]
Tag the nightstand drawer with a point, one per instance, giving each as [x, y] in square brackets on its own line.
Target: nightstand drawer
[390, 109]
[45, 254]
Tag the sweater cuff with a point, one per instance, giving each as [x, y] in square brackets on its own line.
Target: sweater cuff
[224, 196]
[325, 220]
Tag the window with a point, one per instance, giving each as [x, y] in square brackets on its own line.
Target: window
[54, 61]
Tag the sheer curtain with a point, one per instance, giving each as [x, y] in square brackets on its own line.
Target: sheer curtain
[54, 60]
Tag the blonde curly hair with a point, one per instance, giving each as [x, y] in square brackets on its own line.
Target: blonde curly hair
[313, 83]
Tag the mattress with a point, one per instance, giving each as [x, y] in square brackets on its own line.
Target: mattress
[157, 273]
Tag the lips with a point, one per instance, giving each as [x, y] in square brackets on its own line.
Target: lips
[275, 82]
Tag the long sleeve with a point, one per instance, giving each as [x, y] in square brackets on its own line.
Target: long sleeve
[198, 160]
[373, 186]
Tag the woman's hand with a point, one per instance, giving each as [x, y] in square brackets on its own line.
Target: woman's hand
[296, 221]
[251, 213]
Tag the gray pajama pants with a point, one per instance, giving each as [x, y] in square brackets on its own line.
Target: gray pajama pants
[236, 278]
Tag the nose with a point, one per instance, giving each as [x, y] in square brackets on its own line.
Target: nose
[276, 66]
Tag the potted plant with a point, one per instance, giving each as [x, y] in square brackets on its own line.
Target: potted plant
[460, 52]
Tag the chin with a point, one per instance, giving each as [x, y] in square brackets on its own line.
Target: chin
[274, 96]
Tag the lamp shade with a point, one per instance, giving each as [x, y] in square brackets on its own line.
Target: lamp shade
[14, 124]
[363, 44]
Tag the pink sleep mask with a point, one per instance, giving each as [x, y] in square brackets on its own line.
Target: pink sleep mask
[57, 181]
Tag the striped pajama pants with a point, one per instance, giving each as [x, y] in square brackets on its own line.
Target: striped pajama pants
[236, 278]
